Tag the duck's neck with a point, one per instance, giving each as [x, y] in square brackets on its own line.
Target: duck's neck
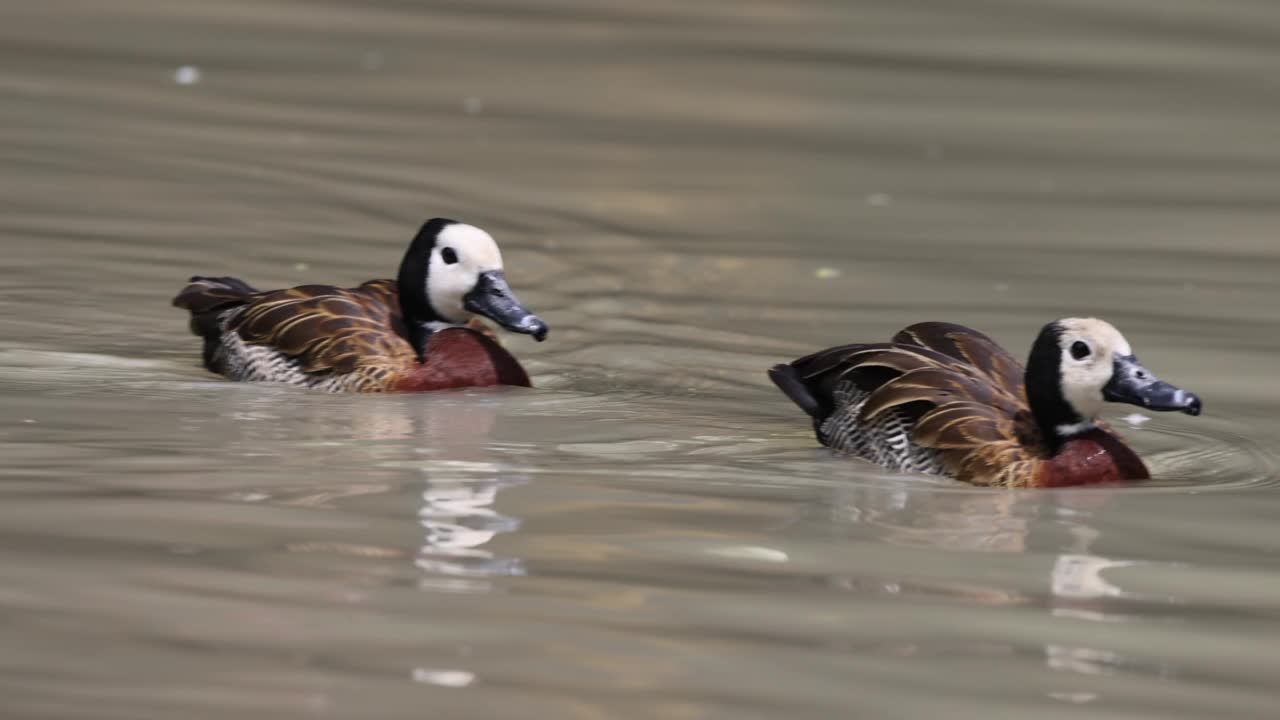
[1057, 419]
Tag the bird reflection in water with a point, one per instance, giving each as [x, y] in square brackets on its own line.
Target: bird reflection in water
[987, 526]
[459, 520]
[458, 516]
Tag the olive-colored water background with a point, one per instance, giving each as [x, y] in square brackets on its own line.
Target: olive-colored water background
[687, 193]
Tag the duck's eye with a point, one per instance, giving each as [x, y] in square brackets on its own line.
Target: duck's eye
[1079, 350]
[448, 256]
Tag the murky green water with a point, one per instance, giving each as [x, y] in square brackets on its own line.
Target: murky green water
[687, 194]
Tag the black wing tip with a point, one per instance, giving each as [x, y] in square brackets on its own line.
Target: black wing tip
[226, 281]
[206, 293]
[791, 385]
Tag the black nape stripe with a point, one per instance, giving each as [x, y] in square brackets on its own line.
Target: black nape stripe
[411, 283]
[1044, 387]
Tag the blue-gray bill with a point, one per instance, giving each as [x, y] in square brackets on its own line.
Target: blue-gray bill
[1134, 384]
[492, 298]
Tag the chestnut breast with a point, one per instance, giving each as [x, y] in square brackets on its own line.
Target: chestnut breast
[459, 357]
[1093, 457]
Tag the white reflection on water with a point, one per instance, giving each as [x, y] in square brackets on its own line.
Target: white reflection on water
[457, 512]
[1079, 592]
[1080, 577]
[443, 678]
[460, 520]
[997, 531]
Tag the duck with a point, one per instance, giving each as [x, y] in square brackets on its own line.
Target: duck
[419, 332]
[944, 399]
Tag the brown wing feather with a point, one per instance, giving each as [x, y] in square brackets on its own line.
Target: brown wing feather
[902, 359]
[1001, 464]
[989, 437]
[330, 329]
[933, 385]
[970, 347]
[845, 356]
[980, 444]
[867, 365]
[958, 424]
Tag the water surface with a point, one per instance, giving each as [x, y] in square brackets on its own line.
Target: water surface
[688, 194]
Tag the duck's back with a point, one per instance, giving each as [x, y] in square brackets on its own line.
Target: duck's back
[940, 399]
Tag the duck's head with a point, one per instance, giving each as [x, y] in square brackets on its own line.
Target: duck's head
[453, 270]
[1077, 364]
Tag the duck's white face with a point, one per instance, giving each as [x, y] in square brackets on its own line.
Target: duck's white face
[1088, 348]
[461, 254]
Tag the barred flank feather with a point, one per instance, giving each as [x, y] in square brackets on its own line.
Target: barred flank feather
[884, 440]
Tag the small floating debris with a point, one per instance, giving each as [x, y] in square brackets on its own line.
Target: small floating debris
[1077, 698]
[879, 199]
[473, 105]
[246, 496]
[443, 678]
[751, 552]
[301, 267]
[1136, 419]
[187, 75]
[827, 273]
